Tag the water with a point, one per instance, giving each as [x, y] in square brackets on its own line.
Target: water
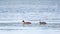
[20, 26]
[34, 28]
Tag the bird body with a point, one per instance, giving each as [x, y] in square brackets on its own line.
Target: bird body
[26, 22]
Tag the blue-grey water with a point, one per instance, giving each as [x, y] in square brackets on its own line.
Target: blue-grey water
[36, 10]
[20, 26]
[34, 28]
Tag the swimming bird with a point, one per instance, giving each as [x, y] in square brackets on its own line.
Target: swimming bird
[42, 23]
[27, 23]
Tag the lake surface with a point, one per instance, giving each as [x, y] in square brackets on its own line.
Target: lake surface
[34, 28]
[19, 26]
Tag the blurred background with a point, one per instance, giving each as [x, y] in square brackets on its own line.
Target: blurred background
[30, 10]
